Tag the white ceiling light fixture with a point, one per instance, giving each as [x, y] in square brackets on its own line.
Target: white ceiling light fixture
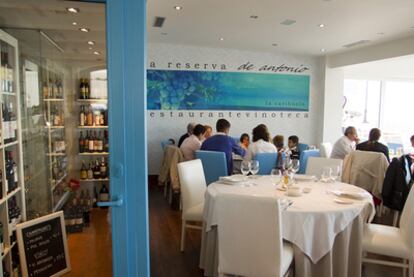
[221, 39]
[96, 53]
[90, 48]
[74, 23]
[91, 42]
[84, 29]
[323, 50]
[321, 25]
[72, 10]
[178, 8]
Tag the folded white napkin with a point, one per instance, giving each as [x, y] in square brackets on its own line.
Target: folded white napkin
[234, 179]
[351, 194]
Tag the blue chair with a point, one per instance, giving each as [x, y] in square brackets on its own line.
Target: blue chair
[302, 147]
[166, 142]
[214, 164]
[304, 156]
[267, 162]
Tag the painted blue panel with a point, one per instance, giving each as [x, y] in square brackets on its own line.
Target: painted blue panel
[209, 90]
[126, 48]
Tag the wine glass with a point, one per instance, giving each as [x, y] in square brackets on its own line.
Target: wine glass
[245, 167]
[295, 165]
[287, 164]
[254, 167]
[326, 174]
[276, 176]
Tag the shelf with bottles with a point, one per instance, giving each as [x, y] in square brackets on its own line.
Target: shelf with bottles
[93, 115]
[94, 143]
[54, 115]
[52, 84]
[93, 127]
[95, 170]
[9, 119]
[77, 210]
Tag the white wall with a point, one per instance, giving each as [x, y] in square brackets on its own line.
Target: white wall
[308, 126]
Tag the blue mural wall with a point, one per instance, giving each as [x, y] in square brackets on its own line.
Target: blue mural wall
[212, 90]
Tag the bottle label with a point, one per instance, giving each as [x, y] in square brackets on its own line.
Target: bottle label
[79, 221]
[91, 145]
[104, 197]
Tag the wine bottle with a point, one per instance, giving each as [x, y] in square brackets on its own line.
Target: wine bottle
[104, 194]
[106, 142]
[100, 142]
[83, 171]
[81, 143]
[89, 116]
[91, 146]
[82, 94]
[103, 168]
[86, 142]
[82, 117]
[9, 171]
[87, 90]
[90, 172]
[97, 170]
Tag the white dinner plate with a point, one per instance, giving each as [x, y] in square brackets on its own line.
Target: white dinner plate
[303, 177]
[281, 187]
[343, 201]
[234, 178]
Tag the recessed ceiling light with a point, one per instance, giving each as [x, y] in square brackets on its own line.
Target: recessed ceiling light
[178, 8]
[288, 22]
[91, 42]
[84, 29]
[74, 23]
[96, 53]
[254, 16]
[73, 10]
[274, 44]
[221, 39]
[323, 50]
[321, 25]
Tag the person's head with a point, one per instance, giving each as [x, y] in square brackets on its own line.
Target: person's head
[199, 131]
[374, 134]
[278, 141]
[351, 133]
[293, 141]
[261, 132]
[245, 140]
[412, 140]
[223, 126]
[190, 127]
[208, 132]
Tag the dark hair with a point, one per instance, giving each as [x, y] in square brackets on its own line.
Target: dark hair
[199, 130]
[172, 141]
[222, 125]
[412, 137]
[278, 141]
[243, 136]
[374, 134]
[349, 130]
[261, 132]
[294, 139]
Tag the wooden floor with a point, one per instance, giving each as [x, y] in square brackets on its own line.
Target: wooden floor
[91, 251]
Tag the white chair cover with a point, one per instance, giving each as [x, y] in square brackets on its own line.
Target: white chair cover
[326, 149]
[315, 165]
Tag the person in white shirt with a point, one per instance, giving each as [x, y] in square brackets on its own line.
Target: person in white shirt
[345, 144]
[193, 142]
[260, 143]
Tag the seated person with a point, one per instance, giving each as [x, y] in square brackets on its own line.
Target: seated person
[346, 144]
[222, 142]
[209, 131]
[373, 145]
[244, 141]
[190, 128]
[293, 145]
[278, 141]
[260, 143]
[193, 142]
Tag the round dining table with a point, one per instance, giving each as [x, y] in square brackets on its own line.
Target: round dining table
[324, 225]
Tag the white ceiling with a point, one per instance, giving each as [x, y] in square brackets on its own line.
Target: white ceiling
[202, 23]
[346, 21]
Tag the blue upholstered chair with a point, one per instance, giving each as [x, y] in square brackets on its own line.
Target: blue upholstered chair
[304, 156]
[267, 161]
[302, 147]
[166, 142]
[214, 164]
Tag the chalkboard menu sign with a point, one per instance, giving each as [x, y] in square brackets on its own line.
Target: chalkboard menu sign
[42, 246]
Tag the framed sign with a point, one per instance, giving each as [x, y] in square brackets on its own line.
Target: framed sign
[43, 247]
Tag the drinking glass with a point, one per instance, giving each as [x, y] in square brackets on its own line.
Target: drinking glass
[336, 173]
[295, 165]
[287, 164]
[245, 167]
[254, 167]
[326, 174]
[276, 176]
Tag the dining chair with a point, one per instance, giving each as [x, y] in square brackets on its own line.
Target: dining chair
[315, 164]
[392, 241]
[214, 164]
[267, 162]
[326, 149]
[303, 159]
[250, 236]
[166, 142]
[193, 188]
[302, 147]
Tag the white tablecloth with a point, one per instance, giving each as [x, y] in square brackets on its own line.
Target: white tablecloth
[311, 223]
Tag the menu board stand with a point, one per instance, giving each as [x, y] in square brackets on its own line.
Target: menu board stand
[43, 247]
